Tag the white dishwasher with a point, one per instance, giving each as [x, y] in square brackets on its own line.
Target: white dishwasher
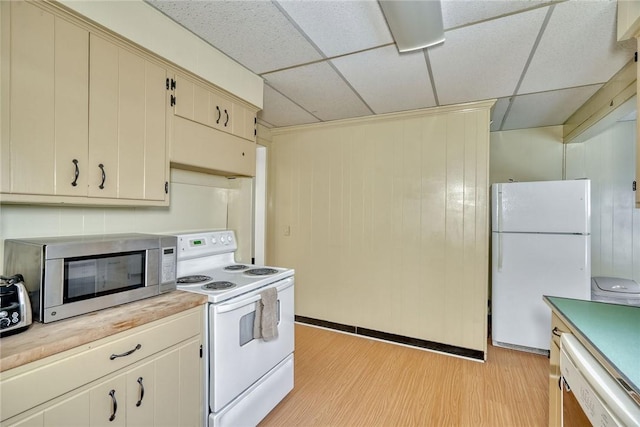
[589, 392]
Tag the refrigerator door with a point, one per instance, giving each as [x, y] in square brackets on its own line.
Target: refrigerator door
[542, 207]
[526, 267]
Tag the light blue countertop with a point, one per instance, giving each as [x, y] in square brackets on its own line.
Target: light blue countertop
[612, 330]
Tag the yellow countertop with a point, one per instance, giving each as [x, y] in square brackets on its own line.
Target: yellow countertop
[42, 340]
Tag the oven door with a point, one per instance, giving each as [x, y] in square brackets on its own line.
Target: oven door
[236, 359]
[590, 395]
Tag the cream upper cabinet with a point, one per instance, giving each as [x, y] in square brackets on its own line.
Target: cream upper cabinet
[45, 143]
[208, 106]
[209, 131]
[127, 129]
[84, 116]
[245, 121]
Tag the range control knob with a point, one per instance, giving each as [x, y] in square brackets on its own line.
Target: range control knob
[223, 240]
[230, 238]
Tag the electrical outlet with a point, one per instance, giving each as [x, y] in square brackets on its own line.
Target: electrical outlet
[287, 230]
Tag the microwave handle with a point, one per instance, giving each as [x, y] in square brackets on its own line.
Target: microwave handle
[224, 308]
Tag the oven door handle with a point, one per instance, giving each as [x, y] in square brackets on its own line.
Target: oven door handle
[230, 306]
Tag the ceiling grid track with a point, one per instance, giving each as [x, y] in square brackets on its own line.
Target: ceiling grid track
[431, 79]
[266, 82]
[326, 59]
[543, 27]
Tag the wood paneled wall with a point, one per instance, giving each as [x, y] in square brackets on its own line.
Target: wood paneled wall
[608, 159]
[385, 220]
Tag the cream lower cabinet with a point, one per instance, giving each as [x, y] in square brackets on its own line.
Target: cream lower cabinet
[84, 114]
[637, 181]
[558, 327]
[161, 389]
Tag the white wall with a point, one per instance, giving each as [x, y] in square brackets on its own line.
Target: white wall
[608, 159]
[526, 155]
[198, 202]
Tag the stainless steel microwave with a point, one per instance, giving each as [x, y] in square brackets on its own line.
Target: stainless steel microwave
[69, 276]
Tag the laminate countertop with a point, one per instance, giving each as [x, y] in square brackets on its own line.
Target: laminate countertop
[611, 332]
[42, 340]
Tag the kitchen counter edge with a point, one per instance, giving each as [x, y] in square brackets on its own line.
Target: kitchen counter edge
[600, 355]
[43, 340]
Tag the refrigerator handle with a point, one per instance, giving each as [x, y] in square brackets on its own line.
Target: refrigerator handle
[499, 251]
[499, 211]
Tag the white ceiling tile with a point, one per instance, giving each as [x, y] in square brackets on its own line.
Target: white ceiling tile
[497, 113]
[464, 12]
[546, 108]
[578, 48]
[339, 27]
[387, 80]
[254, 33]
[319, 90]
[280, 111]
[485, 60]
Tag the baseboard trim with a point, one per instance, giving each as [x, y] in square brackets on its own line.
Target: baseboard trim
[399, 339]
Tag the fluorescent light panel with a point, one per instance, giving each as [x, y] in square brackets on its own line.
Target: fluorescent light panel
[414, 24]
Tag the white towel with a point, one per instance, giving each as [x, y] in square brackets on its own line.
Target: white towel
[265, 325]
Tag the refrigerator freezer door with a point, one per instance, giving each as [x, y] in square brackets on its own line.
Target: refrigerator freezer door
[542, 207]
[526, 267]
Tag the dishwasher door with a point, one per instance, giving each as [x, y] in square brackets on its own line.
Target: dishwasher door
[590, 392]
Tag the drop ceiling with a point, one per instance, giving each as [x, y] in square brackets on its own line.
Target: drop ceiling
[325, 60]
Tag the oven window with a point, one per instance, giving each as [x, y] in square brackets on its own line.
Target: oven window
[247, 322]
[95, 276]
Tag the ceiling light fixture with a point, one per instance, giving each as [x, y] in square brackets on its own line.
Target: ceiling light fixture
[414, 24]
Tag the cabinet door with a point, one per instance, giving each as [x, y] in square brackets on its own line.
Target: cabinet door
[36, 420]
[222, 112]
[103, 118]
[192, 384]
[71, 109]
[244, 123]
[184, 92]
[108, 403]
[48, 103]
[72, 412]
[168, 396]
[141, 395]
[203, 105]
[127, 133]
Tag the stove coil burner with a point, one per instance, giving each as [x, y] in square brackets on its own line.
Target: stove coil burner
[218, 286]
[236, 267]
[193, 279]
[261, 271]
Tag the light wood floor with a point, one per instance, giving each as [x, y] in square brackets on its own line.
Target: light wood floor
[343, 380]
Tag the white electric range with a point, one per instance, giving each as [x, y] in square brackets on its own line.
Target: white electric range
[246, 377]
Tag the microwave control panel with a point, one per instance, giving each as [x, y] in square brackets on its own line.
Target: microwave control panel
[168, 268]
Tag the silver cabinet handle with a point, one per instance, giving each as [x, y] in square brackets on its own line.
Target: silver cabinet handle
[115, 356]
[76, 173]
[139, 402]
[104, 176]
[114, 402]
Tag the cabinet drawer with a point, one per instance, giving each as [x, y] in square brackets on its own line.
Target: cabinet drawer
[46, 381]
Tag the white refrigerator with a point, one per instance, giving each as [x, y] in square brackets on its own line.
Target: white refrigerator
[541, 245]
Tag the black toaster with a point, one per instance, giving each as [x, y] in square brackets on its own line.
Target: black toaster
[15, 308]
